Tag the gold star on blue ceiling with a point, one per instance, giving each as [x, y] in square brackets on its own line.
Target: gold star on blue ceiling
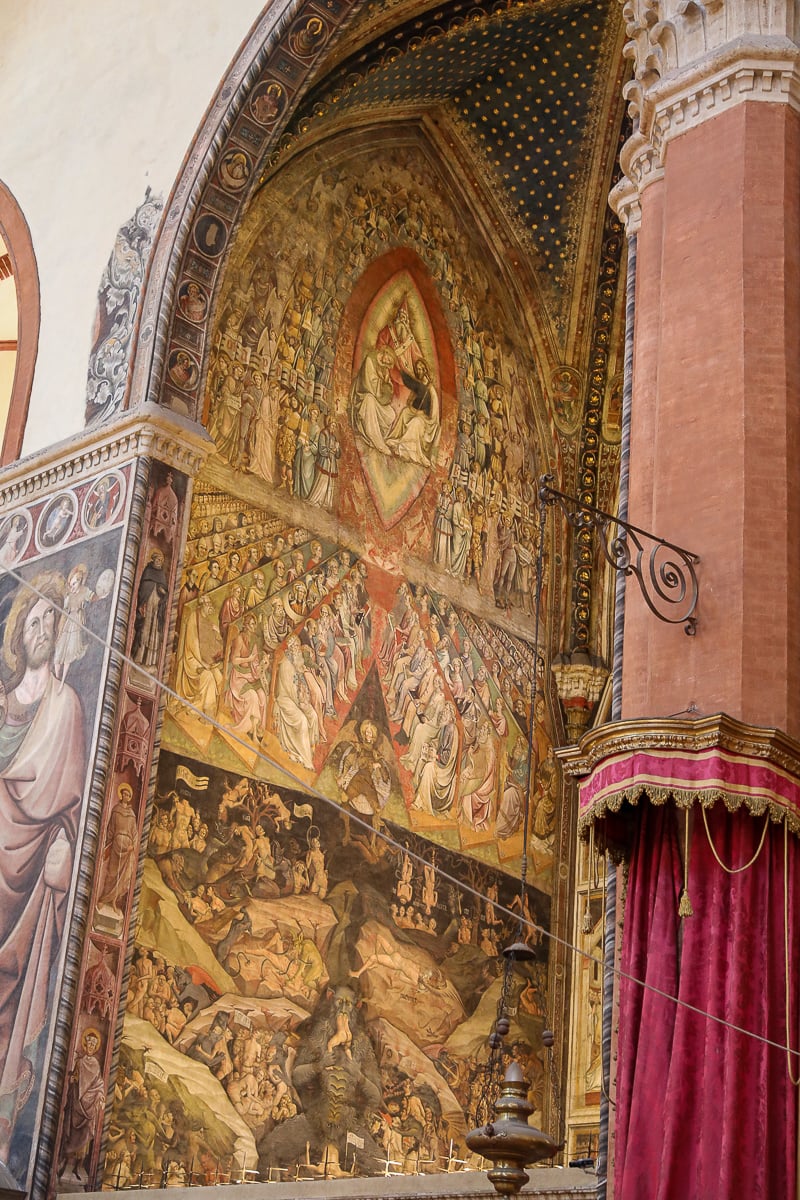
[519, 83]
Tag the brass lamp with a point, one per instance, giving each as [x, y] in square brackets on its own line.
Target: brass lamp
[510, 1142]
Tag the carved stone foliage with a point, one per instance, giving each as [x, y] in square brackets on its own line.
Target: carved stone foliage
[117, 304]
[691, 61]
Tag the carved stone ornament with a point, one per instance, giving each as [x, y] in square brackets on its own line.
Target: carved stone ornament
[580, 678]
[692, 60]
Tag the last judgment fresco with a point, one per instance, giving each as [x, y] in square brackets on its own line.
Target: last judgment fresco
[336, 837]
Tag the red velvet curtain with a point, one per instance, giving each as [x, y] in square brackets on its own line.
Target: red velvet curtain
[704, 1112]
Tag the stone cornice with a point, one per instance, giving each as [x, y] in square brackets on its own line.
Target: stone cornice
[740, 71]
[692, 61]
[146, 431]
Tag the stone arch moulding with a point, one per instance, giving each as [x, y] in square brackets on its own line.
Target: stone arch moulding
[206, 203]
[17, 237]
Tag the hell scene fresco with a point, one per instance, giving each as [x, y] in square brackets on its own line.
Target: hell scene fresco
[306, 998]
[59, 565]
[379, 373]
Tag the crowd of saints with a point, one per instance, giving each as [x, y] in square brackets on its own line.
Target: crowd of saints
[397, 703]
[298, 403]
[306, 1000]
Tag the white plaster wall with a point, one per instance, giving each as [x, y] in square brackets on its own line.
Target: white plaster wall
[98, 101]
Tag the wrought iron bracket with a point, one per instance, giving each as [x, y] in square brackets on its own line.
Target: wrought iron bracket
[665, 573]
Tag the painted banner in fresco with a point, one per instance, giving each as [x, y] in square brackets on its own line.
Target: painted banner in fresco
[51, 673]
[304, 998]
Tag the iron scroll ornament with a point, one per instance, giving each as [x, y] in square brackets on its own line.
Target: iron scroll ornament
[665, 572]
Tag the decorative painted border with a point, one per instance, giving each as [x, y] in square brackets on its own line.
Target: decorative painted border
[584, 574]
[204, 207]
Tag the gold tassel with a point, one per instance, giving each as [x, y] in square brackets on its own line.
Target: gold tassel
[685, 905]
[587, 918]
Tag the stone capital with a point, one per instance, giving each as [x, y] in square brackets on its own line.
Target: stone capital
[580, 679]
[692, 61]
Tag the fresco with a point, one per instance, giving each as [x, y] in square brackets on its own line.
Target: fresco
[352, 666]
[51, 671]
[378, 372]
[306, 999]
[117, 307]
[384, 695]
[90, 1050]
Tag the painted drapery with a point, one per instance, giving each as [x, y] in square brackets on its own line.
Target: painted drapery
[305, 998]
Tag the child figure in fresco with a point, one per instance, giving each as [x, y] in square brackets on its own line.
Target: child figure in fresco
[72, 643]
[315, 865]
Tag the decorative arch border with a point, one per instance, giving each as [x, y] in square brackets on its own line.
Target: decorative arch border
[206, 204]
[19, 244]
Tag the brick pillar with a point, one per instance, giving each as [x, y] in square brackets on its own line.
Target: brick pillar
[711, 188]
[714, 183]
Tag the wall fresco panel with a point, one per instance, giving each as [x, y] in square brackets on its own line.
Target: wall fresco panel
[124, 817]
[61, 561]
[305, 997]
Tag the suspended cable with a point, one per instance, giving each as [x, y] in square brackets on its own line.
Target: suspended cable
[518, 951]
[468, 889]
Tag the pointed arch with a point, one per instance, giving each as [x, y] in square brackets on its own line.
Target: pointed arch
[206, 203]
[23, 269]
